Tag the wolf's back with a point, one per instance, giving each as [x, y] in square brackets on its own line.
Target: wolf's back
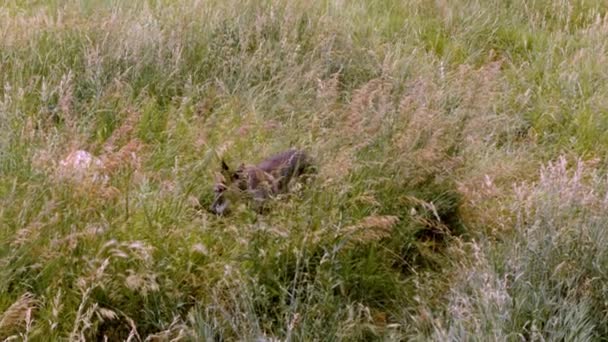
[286, 165]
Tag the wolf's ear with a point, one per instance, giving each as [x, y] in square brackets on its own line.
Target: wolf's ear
[225, 171]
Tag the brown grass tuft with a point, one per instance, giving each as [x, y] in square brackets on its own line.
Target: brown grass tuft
[66, 97]
[176, 331]
[371, 228]
[18, 316]
[143, 283]
[369, 107]
[127, 156]
[327, 90]
[122, 133]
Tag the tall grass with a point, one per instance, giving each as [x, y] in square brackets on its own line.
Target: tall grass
[420, 116]
[547, 279]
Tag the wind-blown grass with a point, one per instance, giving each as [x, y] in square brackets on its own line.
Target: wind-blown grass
[427, 122]
[545, 280]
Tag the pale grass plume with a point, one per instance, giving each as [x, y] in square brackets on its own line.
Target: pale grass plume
[477, 289]
[128, 156]
[124, 132]
[66, 96]
[178, 330]
[94, 62]
[106, 314]
[31, 231]
[121, 149]
[487, 194]
[44, 159]
[338, 166]
[144, 31]
[371, 228]
[102, 315]
[137, 250]
[143, 283]
[72, 240]
[425, 133]
[133, 333]
[200, 248]
[420, 94]
[493, 288]
[18, 317]
[328, 89]
[368, 110]
[56, 309]
[18, 28]
[233, 307]
[86, 310]
[561, 188]
[368, 198]
[480, 108]
[479, 86]
[428, 133]
[359, 317]
[25, 234]
[98, 276]
[568, 183]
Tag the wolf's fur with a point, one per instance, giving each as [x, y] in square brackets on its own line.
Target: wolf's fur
[258, 182]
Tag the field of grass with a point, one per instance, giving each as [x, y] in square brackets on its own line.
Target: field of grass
[460, 146]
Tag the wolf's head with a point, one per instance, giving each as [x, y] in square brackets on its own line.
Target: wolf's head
[228, 183]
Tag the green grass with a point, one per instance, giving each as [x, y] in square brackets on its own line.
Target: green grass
[443, 206]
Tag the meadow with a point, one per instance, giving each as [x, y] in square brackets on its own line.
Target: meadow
[461, 191]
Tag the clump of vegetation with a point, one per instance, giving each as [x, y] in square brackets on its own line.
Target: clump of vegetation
[427, 217]
[542, 281]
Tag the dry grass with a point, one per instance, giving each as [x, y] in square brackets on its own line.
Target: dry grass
[529, 286]
[18, 317]
[371, 228]
[427, 218]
